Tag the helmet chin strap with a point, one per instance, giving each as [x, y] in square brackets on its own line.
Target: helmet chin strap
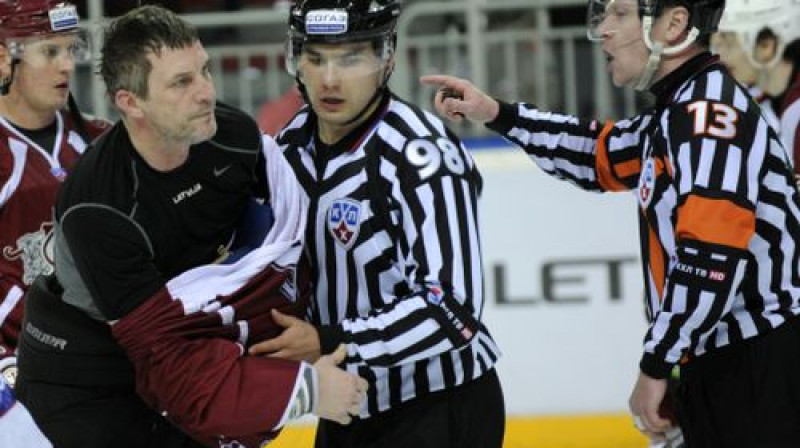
[5, 84]
[657, 50]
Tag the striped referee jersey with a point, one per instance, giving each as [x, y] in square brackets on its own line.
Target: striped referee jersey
[394, 246]
[719, 211]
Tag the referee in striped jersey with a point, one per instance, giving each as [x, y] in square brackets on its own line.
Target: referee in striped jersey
[719, 214]
[393, 241]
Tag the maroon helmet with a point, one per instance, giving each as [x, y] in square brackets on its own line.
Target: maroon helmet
[21, 19]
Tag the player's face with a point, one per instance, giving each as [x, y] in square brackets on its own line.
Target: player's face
[181, 96]
[340, 80]
[621, 32]
[42, 77]
[731, 53]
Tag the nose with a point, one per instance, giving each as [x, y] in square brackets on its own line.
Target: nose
[330, 74]
[66, 62]
[605, 29]
[206, 92]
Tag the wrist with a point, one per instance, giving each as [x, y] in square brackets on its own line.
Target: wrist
[654, 367]
[330, 336]
[505, 117]
[306, 398]
[8, 370]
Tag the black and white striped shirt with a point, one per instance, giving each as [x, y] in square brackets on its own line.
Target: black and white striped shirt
[719, 211]
[394, 246]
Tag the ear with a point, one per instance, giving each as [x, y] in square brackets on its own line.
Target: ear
[5, 62]
[391, 62]
[128, 103]
[677, 24]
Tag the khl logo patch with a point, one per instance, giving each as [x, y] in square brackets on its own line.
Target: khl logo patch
[647, 182]
[344, 221]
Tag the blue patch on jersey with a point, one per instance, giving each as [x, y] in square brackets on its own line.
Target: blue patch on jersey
[435, 295]
[7, 399]
[344, 221]
[253, 229]
[647, 183]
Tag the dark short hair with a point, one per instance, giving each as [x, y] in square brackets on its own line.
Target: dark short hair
[791, 54]
[766, 34]
[131, 37]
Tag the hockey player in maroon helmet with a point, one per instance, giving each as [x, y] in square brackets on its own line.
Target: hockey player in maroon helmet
[41, 135]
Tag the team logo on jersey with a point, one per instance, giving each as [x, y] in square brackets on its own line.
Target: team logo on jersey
[344, 221]
[435, 294]
[647, 183]
[36, 251]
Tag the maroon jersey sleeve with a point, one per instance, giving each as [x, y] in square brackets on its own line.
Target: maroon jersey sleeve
[192, 366]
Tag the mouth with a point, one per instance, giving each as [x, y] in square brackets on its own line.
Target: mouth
[332, 102]
[62, 86]
[203, 115]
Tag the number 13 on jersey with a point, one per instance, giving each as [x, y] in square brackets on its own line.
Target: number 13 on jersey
[714, 119]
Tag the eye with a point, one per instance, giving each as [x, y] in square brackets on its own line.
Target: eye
[78, 48]
[351, 59]
[50, 51]
[314, 59]
[183, 81]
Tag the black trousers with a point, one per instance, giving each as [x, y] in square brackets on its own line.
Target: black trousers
[744, 396]
[469, 416]
[77, 417]
[81, 393]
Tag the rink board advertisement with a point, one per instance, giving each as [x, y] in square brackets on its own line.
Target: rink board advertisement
[563, 288]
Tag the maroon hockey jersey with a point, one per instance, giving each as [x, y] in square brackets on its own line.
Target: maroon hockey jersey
[29, 179]
[790, 123]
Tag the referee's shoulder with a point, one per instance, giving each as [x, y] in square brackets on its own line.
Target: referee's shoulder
[297, 132]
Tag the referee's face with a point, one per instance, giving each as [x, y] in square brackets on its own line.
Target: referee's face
[621, 33]
[340, 80]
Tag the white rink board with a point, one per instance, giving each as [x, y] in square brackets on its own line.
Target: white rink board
[568, 345]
